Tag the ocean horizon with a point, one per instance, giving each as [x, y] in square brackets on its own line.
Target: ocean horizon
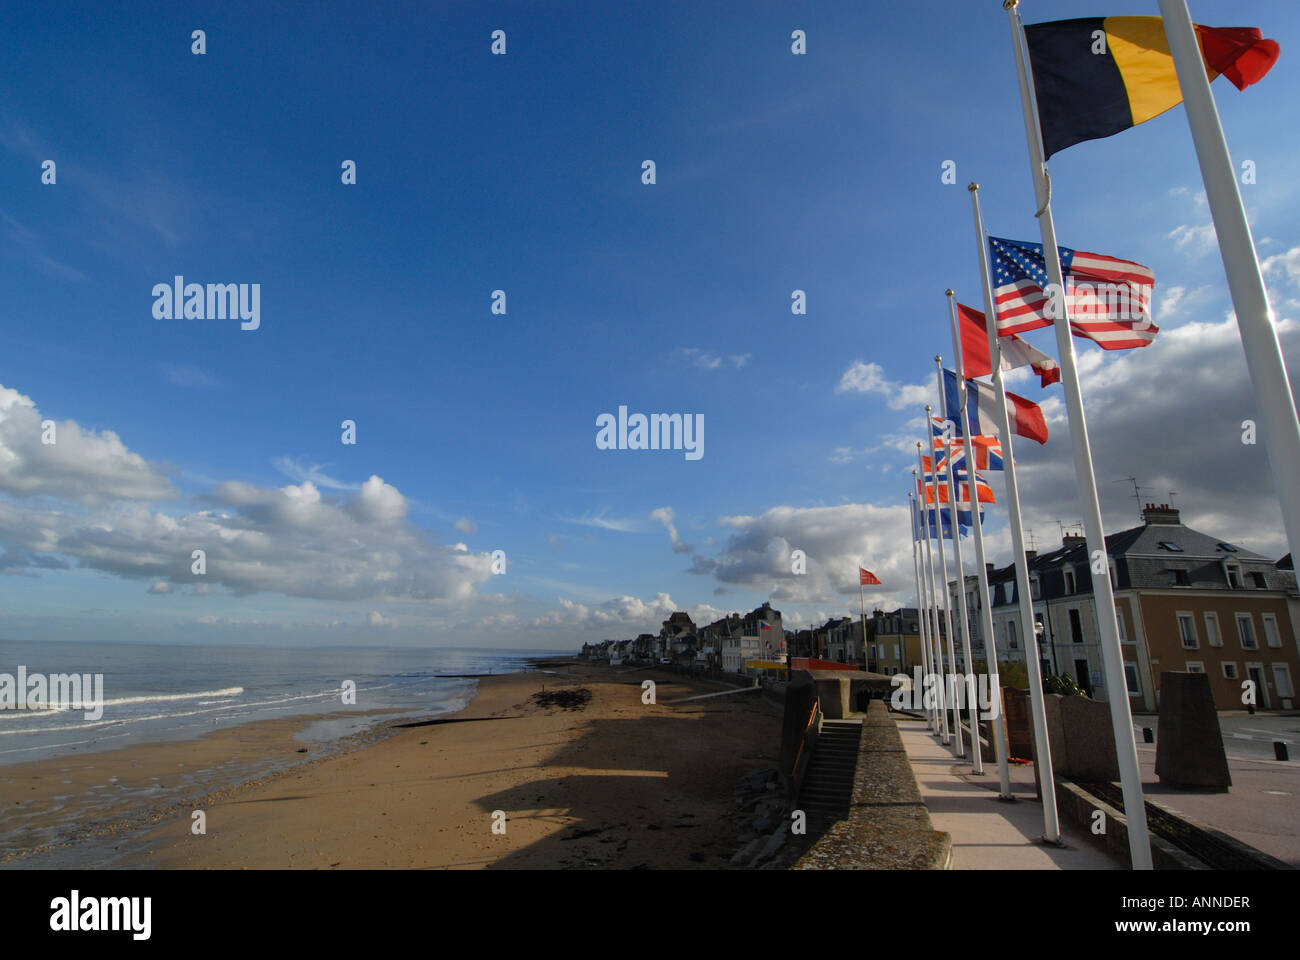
[157, 692]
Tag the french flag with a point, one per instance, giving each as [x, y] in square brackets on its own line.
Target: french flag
[982, 416]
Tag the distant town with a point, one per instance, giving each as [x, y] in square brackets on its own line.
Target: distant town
[1187, 601]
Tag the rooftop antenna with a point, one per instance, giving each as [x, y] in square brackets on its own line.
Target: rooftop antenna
[1172, 494]
[1137, 491]
[1032, 545]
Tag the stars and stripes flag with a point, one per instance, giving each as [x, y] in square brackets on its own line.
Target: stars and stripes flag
[1109, 300]
[867, 577]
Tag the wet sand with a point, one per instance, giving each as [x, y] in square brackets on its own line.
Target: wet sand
[615, 784]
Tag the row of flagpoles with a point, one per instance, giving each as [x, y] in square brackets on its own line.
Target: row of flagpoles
[1024, 287]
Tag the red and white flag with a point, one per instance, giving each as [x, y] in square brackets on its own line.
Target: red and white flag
[866, 576]
[1015, 352]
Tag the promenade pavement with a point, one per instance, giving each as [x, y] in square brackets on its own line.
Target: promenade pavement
[989, 833]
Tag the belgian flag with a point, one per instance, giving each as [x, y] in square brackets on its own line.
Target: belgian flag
[1096, 76]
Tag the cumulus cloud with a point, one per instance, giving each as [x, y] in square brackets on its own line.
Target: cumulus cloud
[292, 540]
[624, 615]
[870, 378]
[87, 466]
[467, 526]
[377, 619]
[1171, 415]
[835, 540]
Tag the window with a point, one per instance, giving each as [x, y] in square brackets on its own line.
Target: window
[1035, 588]
[1271, 636]
[1119, 622]
[1246, 632]
[1195, 666]
[1011, 635]
[1178, 578]
[1131, 679]
[1171, 546]
[1212, 635]
[1069, 579]
[1234, 575]
[1229, 670]
[1076, 626]
[1187, 631]
[1114, 574]
[1258, 581]
[1228, 547]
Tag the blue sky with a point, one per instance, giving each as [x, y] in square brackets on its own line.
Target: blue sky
[522, 173]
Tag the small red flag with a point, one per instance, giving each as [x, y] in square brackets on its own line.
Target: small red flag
[868, 577]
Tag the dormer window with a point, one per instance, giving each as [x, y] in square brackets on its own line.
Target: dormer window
[1178, 578]
[1171, 546]
[1228, 547]
[1233, 572]
[1258, 580]
[1069, 580]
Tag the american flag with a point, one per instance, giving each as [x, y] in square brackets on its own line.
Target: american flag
[1109, 300]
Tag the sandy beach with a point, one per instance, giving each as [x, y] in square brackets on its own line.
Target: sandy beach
[614, 783]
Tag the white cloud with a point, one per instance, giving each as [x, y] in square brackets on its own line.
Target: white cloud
[666, 516]
[870, 378]
[88, 466]
[292, 540]
[314, 472]
[467, 526]
[758, 554]
[1194, 240]
[377, 619]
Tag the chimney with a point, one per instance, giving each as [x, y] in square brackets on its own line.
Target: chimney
[1073, 540]
[1031, 554]
[989, 568]
[1162, 514]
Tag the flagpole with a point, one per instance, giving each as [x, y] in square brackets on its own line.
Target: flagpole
[936, 649]
[986, 610]
[968, 674]
[1279, 427]
[863, 601]
[920, 609]
[1112, 654]
[959, 748]
[923, 611]
[1024, 594]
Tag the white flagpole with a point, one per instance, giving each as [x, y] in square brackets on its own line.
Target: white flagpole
[1279, 427]
[986, 610]
[936, 648]
[967, 676]
[950, 693]
[920, 608]
[1024, 596]
[1112, 654]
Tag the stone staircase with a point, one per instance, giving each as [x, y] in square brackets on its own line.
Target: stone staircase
[828, 786]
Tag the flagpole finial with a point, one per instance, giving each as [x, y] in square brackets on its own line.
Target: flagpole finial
[927, 410]
[937, 358]
[973, 186]
[948, 292]
[1010, 4]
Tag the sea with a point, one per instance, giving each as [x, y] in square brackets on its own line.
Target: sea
[157, 692]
